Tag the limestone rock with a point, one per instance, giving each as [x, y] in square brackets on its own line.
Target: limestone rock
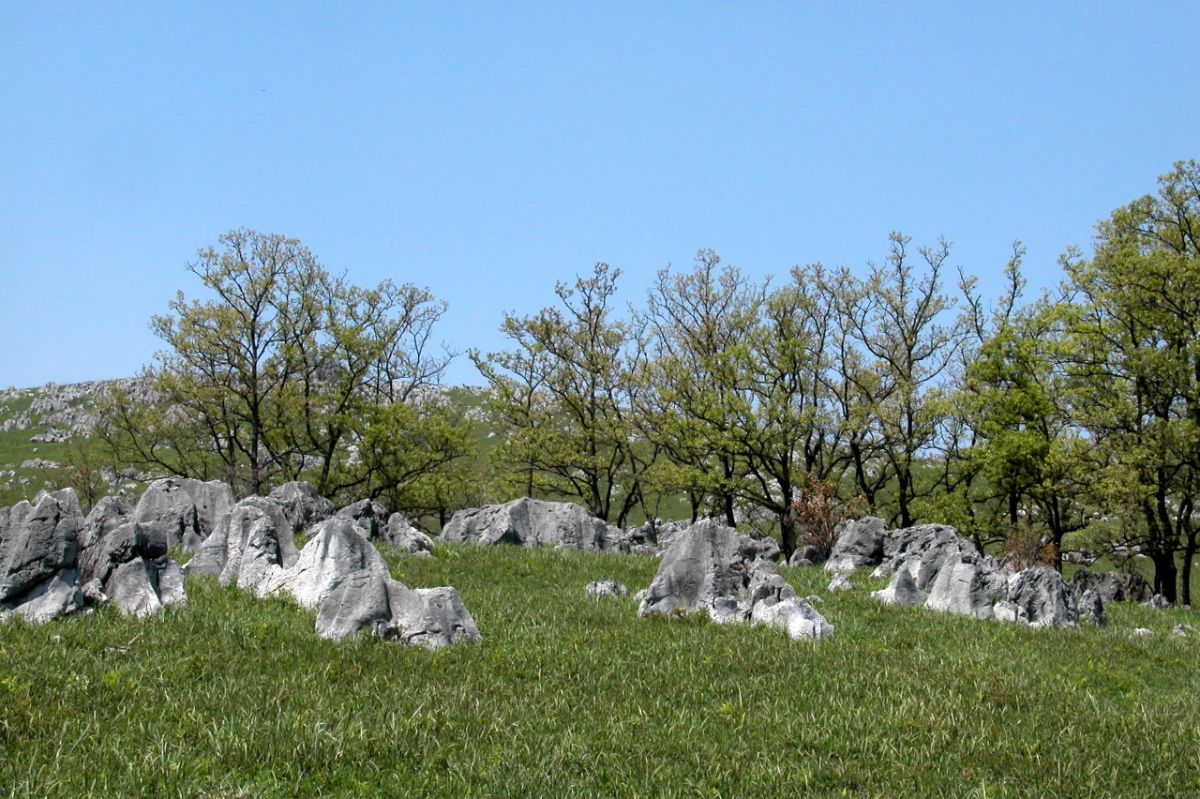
[250, 547]
[605, 587]
[534, 522]
[1091, 609]
[859, 544]
[965, 587]
[840, 582]
[337, 549]
[181, 511]
[902, 590]
[701, 565]
[402, 534]
[55, 596]
[807, 555]
[793, 615]
[369, 515]
[1112, 586]
[1042, 598]
[301, 504]
[37, 541]
[367, 599]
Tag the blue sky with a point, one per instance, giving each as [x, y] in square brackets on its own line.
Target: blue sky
[487, 150]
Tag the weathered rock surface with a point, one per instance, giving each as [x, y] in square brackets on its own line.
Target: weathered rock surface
[902, 590]
[932, 566]
[840, 582]
[859, 544]
[251, 547]
[402, 534]
[370, 600]
[707, 568]
[37, 540]
[181, 511]
[122, 564]
[605, 587]
[807, 555]
[794, 616]
[532, 523]
[1112, 586]
[369, 515]
[337, 549]
[39, 547]
[301, 504]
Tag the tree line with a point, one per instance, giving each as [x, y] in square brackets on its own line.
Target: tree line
[898, 390]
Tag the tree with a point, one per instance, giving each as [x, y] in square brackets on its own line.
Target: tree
[564, 391]
[1134, 331]
[284, 372]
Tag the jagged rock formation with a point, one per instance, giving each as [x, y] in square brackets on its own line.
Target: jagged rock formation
[39, 545]
[336, 549]
[181, 511]
[301, 504]
[534, 522]
[933, 567]
[369, 515]
[1112, 586]
[121, 564]
[402, 534]
[710, 568]
[251, 547]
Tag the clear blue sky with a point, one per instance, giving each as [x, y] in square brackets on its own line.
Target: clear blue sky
[488, 150]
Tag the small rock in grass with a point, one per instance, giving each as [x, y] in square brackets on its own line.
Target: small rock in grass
[1141, 632]
[840, 582]
[606, 587]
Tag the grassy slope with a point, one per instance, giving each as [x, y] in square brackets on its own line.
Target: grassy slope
[570, 696]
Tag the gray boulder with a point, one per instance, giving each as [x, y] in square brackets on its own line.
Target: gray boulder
[840, 582]
[532, 523]
[859, 543]
[337, 549]
[1112, 586]
[181, 511]
[55, 596]
[250, 547]
[902, 590]
[701, 565]
[707, 569]
[301, 504]
[37, 541]
[966, 587]
[369, 515]
[807, 555]
[1091, 609]
[370, 600]
[605, 587]
[121, 563]
[922, 550]
[402, 534]
[1041, 598]
[794, 616]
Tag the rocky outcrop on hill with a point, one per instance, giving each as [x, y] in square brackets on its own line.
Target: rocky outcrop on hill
[711, 568]
[369, 515]
[182, 511]
[535, 522]
[39, 546]
[932, 566]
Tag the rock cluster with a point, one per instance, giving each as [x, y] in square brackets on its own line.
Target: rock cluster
[534, 522]
[53, 561]
[932, 566]
[714, 569]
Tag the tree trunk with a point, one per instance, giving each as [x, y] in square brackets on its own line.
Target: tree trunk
[1165, 574]
[787, 535]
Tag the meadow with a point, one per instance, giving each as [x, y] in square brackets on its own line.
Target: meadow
[573, 696]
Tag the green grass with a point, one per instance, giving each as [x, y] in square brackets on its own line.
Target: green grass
[571, 696]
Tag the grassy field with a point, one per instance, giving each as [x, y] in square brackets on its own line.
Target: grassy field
[572, 696]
